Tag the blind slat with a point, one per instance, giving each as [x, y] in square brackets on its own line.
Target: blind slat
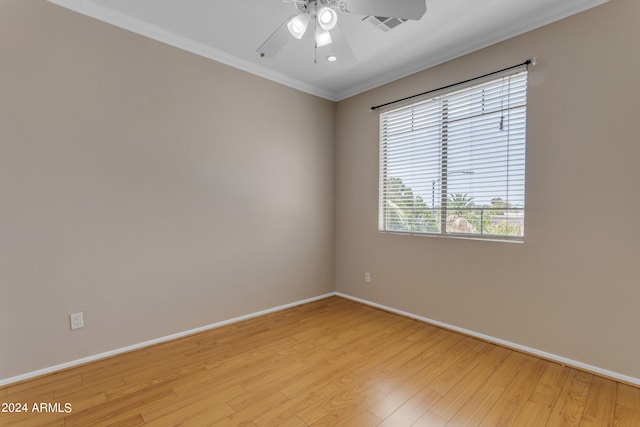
[455, 164]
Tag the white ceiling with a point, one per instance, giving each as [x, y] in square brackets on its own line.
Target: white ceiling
[230, 32]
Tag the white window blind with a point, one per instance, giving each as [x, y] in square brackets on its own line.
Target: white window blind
[455, 164]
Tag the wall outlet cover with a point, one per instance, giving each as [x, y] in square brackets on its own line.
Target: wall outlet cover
[77, 320]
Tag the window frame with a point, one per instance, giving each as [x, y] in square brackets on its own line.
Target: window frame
[444, 173]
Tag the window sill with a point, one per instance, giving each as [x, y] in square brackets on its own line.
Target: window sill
[459, 236]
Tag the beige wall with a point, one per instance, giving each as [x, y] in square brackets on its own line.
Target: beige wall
[158, 191]
[573, 288]
[154, 190]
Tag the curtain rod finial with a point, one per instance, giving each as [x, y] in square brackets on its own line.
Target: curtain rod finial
[533, 61]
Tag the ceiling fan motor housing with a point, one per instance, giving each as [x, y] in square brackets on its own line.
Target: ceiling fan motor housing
[303, 5]
[323, 15]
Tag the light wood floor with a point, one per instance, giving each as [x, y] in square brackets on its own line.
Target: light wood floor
[329, 363]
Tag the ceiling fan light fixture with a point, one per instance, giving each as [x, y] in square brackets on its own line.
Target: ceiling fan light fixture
[323, 37]
[327, 18]
[298, 25]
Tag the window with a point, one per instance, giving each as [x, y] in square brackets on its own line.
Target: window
[454, 164]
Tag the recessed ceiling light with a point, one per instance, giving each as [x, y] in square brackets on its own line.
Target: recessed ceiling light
[332, 58]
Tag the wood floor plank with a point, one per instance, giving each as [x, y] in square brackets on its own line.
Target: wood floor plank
[469, 384]
[408, 363]
[599, 408]
[290, 422]
[626, 417]
[350, 387]
[341, 405]
[333, 362]
[505, 411]
[361, 375]
[358, 418]
[414, 376]
[476, 408]
[412, 409]
[134, 420]
[345, 362]
[569, 407]
[331, 381]
[193, 403]
[121, 408]
[252, 411]
[191, 416]
[44, 384]
[537, 410]
[77, 391]
[27, 420]
[43, 420]
[462, 366]
[429, 419]
[553, 380]
[628, 396]
[407, 381]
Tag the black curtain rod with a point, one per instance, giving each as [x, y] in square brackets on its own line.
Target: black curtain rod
[527, 62]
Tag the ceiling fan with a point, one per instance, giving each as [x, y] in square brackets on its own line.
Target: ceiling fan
[322, 17]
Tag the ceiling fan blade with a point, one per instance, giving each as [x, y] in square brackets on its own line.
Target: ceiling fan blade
[405, 9]
[340, 48]
[276, 41]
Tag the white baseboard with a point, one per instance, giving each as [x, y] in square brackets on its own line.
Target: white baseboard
[129, 348]
[543, 354]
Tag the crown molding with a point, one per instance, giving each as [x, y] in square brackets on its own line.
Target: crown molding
[91, 9]
[137, 26]
[500, 35]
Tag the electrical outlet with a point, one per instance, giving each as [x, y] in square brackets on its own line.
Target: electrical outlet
[367, 277]
[77, 320]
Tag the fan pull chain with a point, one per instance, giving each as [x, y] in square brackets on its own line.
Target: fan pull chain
[315, 32]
